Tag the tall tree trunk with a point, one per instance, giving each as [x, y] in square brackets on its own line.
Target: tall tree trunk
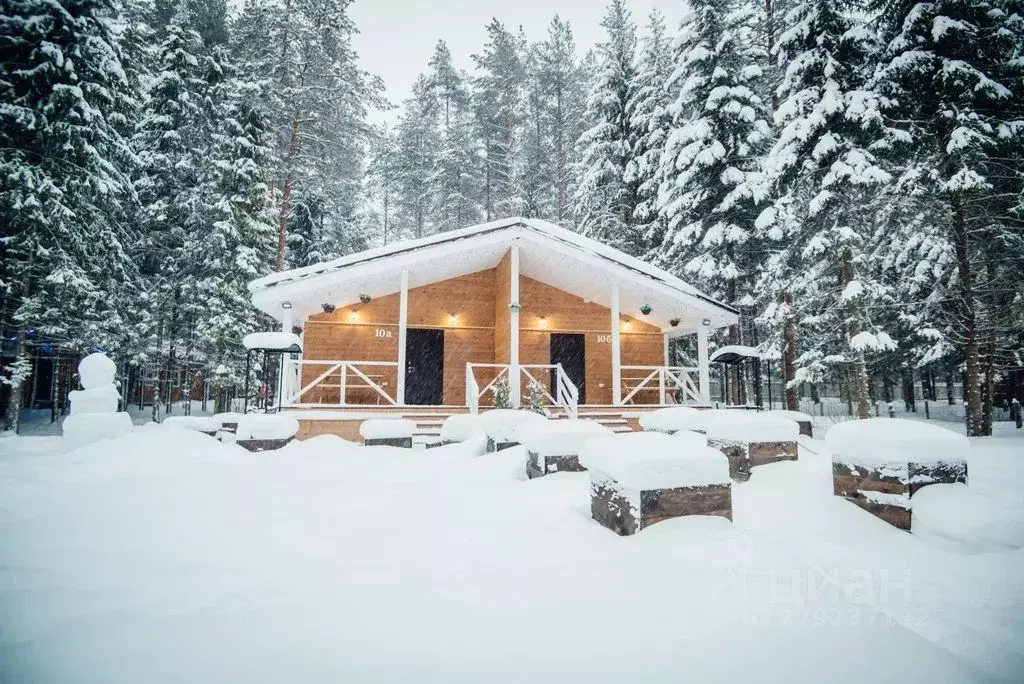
[858, 376]
[286, 194]
[13, 418]
[789, 356]
[969, 322]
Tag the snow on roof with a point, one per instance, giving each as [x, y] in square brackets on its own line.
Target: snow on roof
[735, 352]
[273, 341]
[893, 440]
[554, 255]
[651, 460]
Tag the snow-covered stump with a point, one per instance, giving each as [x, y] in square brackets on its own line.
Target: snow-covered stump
[639, 479]
[803, 420]
[750, 439]
[672, 419]
[555, 446]
[879, 463]
[501, 426]
[207, 426]
[460, 427]
[265, 432]
[394, 432]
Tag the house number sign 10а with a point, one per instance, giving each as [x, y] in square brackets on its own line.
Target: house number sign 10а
[381, 332]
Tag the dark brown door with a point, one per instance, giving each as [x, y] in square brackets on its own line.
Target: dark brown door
[424, 367]
[569, 350]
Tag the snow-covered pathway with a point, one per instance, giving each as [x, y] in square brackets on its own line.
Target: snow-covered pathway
[165, 557]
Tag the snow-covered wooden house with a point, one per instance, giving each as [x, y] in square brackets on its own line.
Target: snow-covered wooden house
[517, 305]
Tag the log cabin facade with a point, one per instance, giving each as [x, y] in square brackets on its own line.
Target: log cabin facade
[444, 320]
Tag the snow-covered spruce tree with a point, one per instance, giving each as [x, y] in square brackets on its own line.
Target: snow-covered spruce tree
[172, 135]
[416, 142]
[236, 246]
[63, 186]
[533, 165]
[563, 88]
[605, 204]
[956, 80]
[719, 128]
[825, 166]
[315, 98]
[649, 110]
[498, 93]
[381, 185]
[454, 178]
[306, 233]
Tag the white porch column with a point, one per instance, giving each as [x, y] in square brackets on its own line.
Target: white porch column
[703, 365]
[513, 338]
[284, 388]
[665, 349]
[403, 316]
[616, 357]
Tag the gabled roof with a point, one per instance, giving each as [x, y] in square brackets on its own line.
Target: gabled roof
[548, 253]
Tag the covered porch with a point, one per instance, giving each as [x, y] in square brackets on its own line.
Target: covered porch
[517, 313]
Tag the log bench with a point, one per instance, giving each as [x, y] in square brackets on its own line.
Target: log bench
[639, 479]
[878, 464]
[750, 439]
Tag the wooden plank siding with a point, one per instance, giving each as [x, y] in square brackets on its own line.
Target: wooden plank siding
[479, 333]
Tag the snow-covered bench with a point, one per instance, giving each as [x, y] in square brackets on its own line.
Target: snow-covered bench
[555, 445]
[204, 424]
[672, 419]
[879, 463]
[501, 426]
[460, 427]
[639, 479]
[750, 439]
[396, 432]
[803, 420]
[265, 432]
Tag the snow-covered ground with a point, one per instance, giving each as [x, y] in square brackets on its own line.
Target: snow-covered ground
[165, 556]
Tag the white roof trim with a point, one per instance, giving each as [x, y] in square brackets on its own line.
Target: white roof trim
[269, 291]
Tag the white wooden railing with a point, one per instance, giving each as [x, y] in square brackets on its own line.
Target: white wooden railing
[668, 381]
[566, 394]
[340, 376]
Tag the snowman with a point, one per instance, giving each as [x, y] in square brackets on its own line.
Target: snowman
[94, 415]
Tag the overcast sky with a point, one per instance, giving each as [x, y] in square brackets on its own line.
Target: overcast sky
[397, 37]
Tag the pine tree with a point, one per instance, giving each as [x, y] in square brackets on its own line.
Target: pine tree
[953, 71]
[63, 186]
[651, 119]
[605, 202]
[315, 98]
[499, 94]
[719, 128]
[454, 176]
[416, 148]
[562, 85]
[826, 170]
[237, 244]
